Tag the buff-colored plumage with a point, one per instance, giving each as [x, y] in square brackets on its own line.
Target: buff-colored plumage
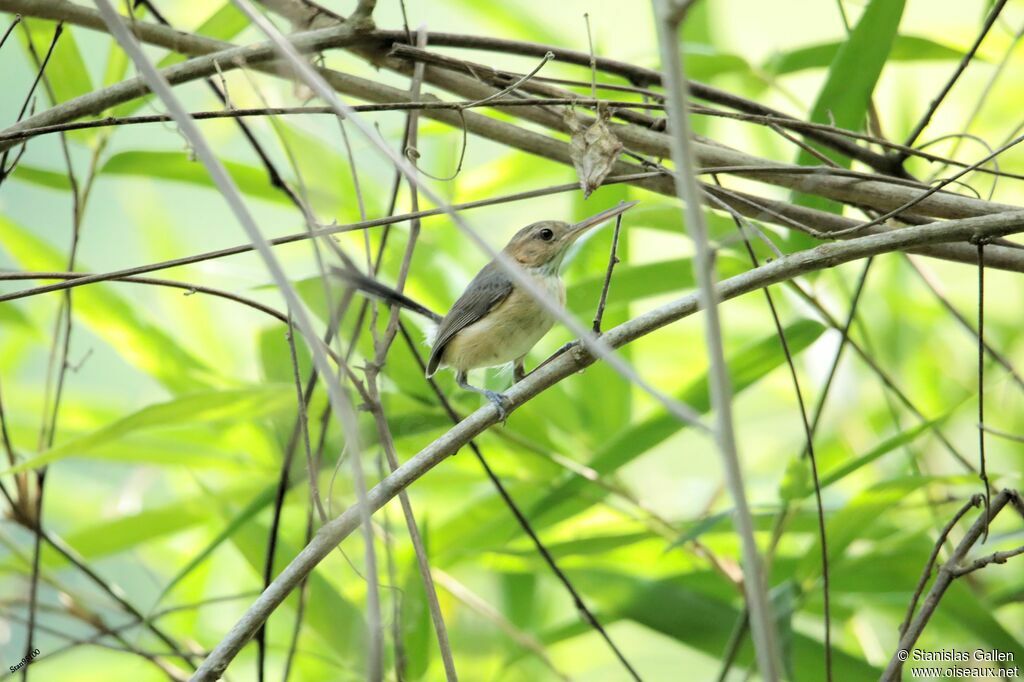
[495, 322]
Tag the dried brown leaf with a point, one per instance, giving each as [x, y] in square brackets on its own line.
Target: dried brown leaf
[594, 149]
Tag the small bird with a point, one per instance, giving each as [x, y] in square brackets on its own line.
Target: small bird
[495, 321]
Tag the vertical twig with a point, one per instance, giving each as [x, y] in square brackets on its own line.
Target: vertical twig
[520, 517]
[6, 170]
[283, 483]
[948, 572]
[934, 286]
[982, 472]
[926, 118]
[300, 610]
[7, 33]
[339, 400]
[396, 599]
[382, 344]
[59, 350]
[930, 564]
[613, 258]
[593, 59]
[762, 621]
[809, 451]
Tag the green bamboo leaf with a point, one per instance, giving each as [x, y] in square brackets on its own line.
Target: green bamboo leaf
[417, 628]
[702, 619]
[699, 528]
[846, 94]
[244, 515]
[820, 56]
[66, 72]
[602, 397]
[519, 598]
[225, 23]
[597, 544]
[885, 447]
[512, 21]
[12, 316]
[178, 167]
[132, 531]
[886, 575]
[636, 282]
[139, 342]
[41, 177]
[855, 70]
[797, 482]
[117, 65]
[208, 408]
[849, 523]
[485, 522]
[706, 62]
[745, 368]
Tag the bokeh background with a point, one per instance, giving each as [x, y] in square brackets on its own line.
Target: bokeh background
[177, 408]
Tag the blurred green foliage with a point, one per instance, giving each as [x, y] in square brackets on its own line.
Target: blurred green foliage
[178, 409]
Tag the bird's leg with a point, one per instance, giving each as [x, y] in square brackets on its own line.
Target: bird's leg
[519, 370]
[499, 400]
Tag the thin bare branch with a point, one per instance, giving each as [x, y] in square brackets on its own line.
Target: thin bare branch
[755, 582]
[926, 118]
[948, 572]
[613, 258]
[339, 401]
[577, 598]
[926, 574]
[879, 194]
[515, 271]
[566, 365]
[808, 451]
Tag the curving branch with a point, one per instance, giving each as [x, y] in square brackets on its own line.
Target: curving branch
[883, 193]
[564, 366]
[888, 195]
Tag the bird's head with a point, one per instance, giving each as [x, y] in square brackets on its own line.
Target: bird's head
[543, 245]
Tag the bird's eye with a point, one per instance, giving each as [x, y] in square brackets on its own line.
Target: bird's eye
[546, 234]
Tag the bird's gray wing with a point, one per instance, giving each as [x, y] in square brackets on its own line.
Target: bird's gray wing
[490, 287]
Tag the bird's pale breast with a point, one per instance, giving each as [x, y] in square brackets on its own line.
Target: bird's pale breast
[507, 332]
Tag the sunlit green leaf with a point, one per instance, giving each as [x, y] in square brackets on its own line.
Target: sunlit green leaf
[213, 407]
[112, 317]
[177, 166]
[66, 72]
[41, 177]
[674, 608]
[244, 515]
[904, 48]
[846, 95]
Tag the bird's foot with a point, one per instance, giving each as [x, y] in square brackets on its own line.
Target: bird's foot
[501, 403]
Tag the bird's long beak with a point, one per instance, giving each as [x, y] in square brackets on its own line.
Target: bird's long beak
[593, 221]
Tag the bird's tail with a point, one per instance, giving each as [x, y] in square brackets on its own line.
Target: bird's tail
[375, 289]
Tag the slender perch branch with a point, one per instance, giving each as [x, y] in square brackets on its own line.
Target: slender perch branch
[565, 365]
[948, 572]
